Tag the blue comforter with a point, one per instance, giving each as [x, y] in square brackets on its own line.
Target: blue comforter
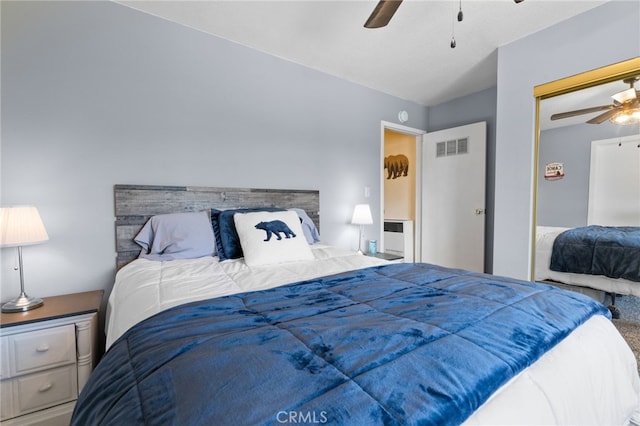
[396, 344]
[598, 250]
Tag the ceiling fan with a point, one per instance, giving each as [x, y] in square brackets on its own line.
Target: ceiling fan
[384, 11]
[382, 14]
[624, 110]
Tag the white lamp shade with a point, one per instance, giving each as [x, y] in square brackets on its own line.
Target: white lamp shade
[21, 226]
[362, 215]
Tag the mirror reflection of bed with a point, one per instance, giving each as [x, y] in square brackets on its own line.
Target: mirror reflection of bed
[595, 195]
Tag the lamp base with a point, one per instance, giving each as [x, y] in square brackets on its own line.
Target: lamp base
[22, 303]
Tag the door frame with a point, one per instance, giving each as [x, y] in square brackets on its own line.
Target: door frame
[417, 226]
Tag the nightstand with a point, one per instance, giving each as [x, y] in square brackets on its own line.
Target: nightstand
[394, 258]
[46, 356]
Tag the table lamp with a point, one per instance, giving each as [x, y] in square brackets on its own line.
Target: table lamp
[361, 216]
[21, 226]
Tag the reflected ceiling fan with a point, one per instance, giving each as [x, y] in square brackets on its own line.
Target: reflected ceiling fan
[384, 11]
[624, 110]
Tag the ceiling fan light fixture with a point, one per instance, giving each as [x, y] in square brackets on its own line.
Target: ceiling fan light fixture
[626, 116]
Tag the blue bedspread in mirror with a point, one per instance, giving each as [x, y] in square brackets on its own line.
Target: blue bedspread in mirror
[612, 251]
[393, 344]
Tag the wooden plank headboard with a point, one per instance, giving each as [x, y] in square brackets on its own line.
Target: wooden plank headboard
[135, 204]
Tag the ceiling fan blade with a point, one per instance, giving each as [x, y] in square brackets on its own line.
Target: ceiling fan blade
[580, 112]
[382, 14]
[603, 117]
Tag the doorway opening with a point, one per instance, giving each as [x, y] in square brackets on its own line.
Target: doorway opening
[433, 195]
[400, 198]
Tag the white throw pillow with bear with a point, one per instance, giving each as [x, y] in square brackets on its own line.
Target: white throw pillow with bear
[271, 237]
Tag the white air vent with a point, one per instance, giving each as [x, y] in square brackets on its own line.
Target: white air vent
[462, 145]
[452, 147]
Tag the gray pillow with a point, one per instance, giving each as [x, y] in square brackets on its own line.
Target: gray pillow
[176, 236]
[308, 227]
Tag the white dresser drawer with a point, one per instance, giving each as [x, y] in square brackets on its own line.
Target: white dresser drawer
[46, 356]
[37, 350]
[4, 358]
[40, 390]
[60, 415]
[6, 400]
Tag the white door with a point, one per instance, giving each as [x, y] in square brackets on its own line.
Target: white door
[453, 197]
[614, 182]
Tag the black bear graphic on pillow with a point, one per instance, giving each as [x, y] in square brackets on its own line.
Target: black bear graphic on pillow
[275, 227]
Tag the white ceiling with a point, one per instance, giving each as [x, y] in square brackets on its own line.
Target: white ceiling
[410, 58]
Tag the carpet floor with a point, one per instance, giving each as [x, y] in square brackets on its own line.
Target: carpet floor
[629, 307]
[629, 323]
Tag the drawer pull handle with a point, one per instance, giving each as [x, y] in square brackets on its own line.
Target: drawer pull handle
[42, 348]
[45, 387]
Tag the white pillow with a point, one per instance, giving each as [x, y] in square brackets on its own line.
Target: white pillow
[271, 237]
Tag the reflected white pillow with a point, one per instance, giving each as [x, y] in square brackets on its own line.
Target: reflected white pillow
[271, 237]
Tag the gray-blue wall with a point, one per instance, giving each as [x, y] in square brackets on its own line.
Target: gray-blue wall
[95, 94]
[480, 106]
[565, 202]
[604, 35]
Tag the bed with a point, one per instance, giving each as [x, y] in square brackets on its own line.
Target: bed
[334, 337]
[615, 283]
